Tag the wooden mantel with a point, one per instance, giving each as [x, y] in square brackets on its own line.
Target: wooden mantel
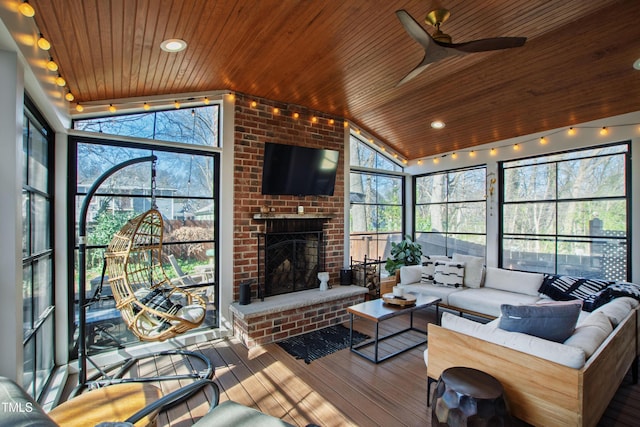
[271, 216]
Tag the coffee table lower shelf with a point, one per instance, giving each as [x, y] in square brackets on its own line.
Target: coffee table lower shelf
[377, 311]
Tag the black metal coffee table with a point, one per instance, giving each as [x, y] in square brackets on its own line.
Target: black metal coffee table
[377, 311]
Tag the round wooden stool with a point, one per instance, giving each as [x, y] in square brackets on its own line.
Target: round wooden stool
[112, 403]
[469, 397]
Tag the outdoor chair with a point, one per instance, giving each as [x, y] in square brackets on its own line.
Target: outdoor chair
[115, 405]
[190, 281]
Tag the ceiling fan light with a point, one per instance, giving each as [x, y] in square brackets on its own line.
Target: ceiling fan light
[437, 124]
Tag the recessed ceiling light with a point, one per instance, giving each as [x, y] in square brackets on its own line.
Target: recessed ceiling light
[437, 124]
[173, 45]
[636, 64]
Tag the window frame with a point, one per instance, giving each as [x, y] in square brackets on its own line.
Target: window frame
[447, 233]
[150, 145]
[32, 116]
[378, 173]
[557, 200]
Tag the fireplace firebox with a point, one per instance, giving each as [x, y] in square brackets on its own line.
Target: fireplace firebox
[290, 255]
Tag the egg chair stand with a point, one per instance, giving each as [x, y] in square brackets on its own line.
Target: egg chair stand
[150, 305]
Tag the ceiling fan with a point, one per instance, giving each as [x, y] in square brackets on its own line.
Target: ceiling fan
[439, 46]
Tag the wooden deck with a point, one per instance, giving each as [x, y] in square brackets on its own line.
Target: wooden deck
[342, 389]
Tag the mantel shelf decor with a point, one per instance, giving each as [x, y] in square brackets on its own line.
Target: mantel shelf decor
[267, 216]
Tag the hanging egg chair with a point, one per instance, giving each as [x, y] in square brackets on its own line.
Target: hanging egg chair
[151, 306]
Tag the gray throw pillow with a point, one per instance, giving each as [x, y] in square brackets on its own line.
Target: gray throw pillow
[553, 322]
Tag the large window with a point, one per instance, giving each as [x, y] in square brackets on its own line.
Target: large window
[450, 212]
[37, 251]
[195, 126]
[186, 194]
[568, 213]
[376, 196]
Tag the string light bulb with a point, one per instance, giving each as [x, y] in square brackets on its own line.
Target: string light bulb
[472, 153]
[493, 151]
[26, 9]
[51, 65]
[112, 108]
[571, 131]
[60, 81]
[314, 119]
[420, 161]
[176, 104]
[69, 96]
[436, 160]
[276, 110]
[604, 131]
[206, 99]
[346, 124]
[43, 43]
[254, 104]
[516, 147]
[79, 108]
[454, 155]
[146, 106]
[331, 122]
[296, 115]
[543, 140]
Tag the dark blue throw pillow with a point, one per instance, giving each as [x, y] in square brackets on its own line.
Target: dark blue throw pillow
[553, 322]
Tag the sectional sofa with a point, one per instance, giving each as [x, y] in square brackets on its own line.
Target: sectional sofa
[547, 382]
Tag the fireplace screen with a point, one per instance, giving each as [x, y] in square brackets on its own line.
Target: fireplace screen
[289, 262]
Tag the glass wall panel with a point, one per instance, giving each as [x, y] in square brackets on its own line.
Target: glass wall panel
[567, 213]
[450, 212]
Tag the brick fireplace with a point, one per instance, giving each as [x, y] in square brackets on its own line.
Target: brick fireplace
[271, 121]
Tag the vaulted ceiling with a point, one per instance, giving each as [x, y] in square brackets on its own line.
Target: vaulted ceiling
[345, 58]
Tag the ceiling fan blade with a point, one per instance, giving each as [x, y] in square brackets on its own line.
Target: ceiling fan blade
[414, 72]
[484, 45]
[414, 29]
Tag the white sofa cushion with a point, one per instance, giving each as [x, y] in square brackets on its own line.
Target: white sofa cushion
[562, 354]
[450, 274]
[617, 309]
[590, 333]
[441, 292]
[473, 269]
[410, 274]
[513, 281]
[487, 301]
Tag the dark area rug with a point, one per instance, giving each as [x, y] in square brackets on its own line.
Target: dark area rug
[316, 344]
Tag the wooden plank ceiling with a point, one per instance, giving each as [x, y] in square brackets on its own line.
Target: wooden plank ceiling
[346, 57]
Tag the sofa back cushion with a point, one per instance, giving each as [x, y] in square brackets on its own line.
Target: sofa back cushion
[566, 355]
[513, 281]
[554, 322]
[473, 269]
[410, 274]
[591, 333]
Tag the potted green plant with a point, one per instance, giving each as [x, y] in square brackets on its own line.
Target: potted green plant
[406, 252]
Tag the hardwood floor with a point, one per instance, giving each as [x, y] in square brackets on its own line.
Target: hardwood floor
[341, 389]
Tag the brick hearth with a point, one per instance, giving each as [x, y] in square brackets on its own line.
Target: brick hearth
[283, 316]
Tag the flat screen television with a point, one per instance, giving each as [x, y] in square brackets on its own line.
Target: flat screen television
[298, 171]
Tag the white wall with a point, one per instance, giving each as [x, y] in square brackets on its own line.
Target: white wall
[620, 128]
[11, 90]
